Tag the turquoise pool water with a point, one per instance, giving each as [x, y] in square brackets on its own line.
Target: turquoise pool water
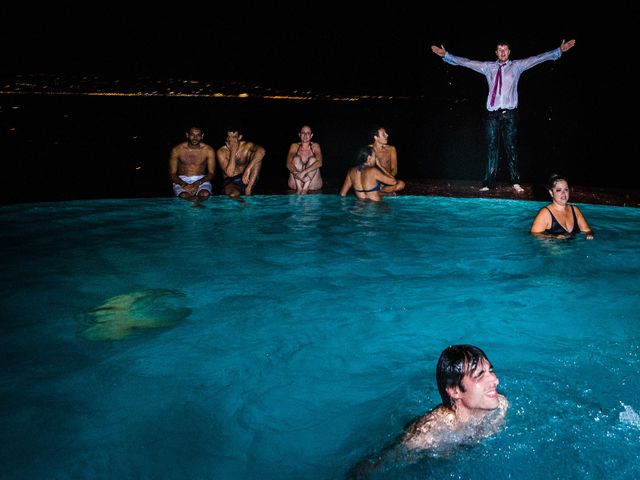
[295, 336]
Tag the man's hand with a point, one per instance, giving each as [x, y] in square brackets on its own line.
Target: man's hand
[440, 51]
[191, 188]
[564, 46]
[232, 144]
[246, 176]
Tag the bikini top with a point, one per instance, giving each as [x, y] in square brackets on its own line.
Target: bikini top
[310, 147]
[374, 189]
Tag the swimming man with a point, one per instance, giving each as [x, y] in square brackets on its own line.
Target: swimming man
[471, 410]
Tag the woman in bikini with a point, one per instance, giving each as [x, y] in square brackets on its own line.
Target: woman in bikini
[559, 218]
[303, 162]
[367, 177]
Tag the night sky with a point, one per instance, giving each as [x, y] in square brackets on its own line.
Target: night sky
[359, 48]
[319, 45]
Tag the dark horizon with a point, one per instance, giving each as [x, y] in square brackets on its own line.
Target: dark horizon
[306, 46]
[571, 109]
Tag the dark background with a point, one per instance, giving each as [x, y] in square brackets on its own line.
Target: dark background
[577, 114]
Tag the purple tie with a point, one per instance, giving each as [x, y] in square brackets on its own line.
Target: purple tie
[495, 85]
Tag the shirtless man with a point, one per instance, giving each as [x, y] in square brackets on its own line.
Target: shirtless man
[471, 406]
[191, 167]
[303, 162]
[240, 162]
[388, 158]
[471, 409]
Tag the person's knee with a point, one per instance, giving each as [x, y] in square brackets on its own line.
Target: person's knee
[231, 191]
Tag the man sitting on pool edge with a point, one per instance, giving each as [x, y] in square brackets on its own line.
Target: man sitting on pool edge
[471, 409]
[240, 162]
[192, 165]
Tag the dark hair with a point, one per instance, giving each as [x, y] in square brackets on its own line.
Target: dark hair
[363, 154]
[374, 131]
[503, 43]
[455, 362]
[555, 178]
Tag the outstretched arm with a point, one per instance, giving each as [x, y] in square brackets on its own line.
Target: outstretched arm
[440, 51]
[564, 46]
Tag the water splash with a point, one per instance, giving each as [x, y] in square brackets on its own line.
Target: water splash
[629, 416]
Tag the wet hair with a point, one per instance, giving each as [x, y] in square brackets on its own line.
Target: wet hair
[374, 131]
[363, 154]
[554, 179]
[454, 363]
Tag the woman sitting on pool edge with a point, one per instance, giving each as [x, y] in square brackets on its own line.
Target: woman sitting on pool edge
[303, 162]
[367, 177]
[559, 218]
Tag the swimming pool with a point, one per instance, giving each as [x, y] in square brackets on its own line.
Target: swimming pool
[299, 334]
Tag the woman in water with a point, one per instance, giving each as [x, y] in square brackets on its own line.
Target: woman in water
[303, 162]
[559, 218]
[367, 177]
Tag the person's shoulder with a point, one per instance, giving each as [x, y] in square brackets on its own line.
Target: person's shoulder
[440, 415]
[575, 207]
[544, 209]
[180, 149]
[207, 147]
[424, 432]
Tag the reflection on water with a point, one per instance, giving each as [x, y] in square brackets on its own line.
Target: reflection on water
[123, 315]
[304, 336]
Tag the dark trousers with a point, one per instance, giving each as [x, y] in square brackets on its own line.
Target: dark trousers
[501, 125]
